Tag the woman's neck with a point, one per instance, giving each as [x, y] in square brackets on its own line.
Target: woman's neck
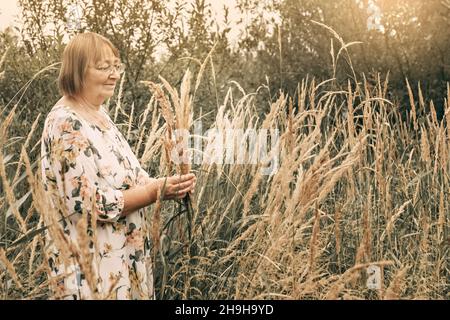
[88, 111]
[85, 102]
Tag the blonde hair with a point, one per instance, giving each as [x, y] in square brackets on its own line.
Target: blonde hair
[83, 49]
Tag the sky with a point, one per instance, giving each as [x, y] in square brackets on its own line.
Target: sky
[8, 9]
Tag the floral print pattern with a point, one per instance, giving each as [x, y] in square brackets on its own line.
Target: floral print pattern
[88, 168]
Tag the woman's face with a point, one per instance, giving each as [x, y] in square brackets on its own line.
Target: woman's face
[100, 82]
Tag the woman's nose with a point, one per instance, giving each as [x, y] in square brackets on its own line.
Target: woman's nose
[114, 74]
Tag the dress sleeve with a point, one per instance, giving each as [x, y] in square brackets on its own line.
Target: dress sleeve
[71, 157]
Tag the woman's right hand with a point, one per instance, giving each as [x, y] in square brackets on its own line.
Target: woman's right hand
[176, 187]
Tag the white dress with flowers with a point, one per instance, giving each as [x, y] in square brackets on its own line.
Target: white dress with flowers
[88, 168]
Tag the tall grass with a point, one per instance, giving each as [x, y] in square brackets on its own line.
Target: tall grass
[357, 185]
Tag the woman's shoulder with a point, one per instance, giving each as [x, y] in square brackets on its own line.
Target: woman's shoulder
[61, 112]
[60, 118]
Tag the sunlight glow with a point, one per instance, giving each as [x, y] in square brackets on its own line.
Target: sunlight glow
[375, 15]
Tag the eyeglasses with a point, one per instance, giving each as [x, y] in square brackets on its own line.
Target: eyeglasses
[120, 68]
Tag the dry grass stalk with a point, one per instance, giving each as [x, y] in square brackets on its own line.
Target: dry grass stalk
[25, 145]
[379, 160]
[154, 134]
[437, 150]
[156, 222]
[313, 243]
[250, 193]
[433, 114]
[391, 223]
[2, 61]
[166, 108]
[442, 218]
[130, 121]
[364, 251]
[443, 159]
[119, 98]
[413, 105]
[447, 111]
[421, 100]
[425, 147]
[6, 185]
[344, 47]
[350, 116]
[394, 291]
[184, 117]
[337, 232]
[203, 66]
[338, 172]
[422, 290]
[10, 268]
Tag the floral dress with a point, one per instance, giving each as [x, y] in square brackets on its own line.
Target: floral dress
[89, 167]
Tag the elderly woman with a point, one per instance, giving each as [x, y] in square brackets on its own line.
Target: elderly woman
[87, 163]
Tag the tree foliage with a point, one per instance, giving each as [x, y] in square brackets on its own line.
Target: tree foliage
[412, 41]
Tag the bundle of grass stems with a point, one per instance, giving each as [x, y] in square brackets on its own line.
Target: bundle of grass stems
[178, 117]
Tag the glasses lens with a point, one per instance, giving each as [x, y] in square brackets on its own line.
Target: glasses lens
[118, 68]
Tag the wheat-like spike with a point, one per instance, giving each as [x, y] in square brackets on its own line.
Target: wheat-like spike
[166, 108]
[396, 286]
[10, 268]
[412, 104]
